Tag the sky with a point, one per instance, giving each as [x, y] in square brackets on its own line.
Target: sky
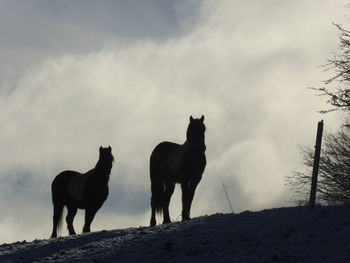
[75, 75]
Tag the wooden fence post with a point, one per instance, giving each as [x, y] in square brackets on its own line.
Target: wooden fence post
[316, 164]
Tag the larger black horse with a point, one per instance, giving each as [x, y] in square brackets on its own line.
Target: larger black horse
[85, 191]
[172, 163]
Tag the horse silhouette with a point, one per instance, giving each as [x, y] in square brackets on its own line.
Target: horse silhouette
[172, 163]
[85, 191]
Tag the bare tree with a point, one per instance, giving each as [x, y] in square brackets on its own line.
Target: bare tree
[338, 94]
[334, 171]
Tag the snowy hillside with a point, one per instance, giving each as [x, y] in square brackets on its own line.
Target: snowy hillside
[295, 234]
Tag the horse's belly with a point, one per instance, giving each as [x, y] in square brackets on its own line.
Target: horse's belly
[173, 166]
[76, 187]
[174, 176]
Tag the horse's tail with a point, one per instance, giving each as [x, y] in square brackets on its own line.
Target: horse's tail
[158, 174]
[58, 218]
[157, 196]
[157, 188]
[58, 205]
[60, 221]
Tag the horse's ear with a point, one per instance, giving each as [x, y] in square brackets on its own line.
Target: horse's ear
[110, 148]
[202, 118]
[191, 118]
[100, 148]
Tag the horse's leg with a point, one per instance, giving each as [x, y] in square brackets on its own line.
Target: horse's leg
[188, 190]
[153, 216]
[72, 211]
[169, 190]
[89, 216]
[57, 213]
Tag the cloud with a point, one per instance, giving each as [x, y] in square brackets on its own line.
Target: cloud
[83, 26]
[243, 65]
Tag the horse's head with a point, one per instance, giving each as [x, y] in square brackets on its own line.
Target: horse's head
[195, 133]
[106, 154]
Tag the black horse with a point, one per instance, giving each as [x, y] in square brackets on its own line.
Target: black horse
[85, 191]
[172, 163]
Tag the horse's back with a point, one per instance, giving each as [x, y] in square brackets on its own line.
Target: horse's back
[63, 178]
[162, 152]
[59, 186]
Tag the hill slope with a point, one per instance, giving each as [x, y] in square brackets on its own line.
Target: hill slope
[296, 234]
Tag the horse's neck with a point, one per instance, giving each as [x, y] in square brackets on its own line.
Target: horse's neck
[103, 168]
[193, 148]
[98, 176]
[100, 179]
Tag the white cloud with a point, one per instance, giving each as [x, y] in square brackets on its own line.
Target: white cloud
[245, 66]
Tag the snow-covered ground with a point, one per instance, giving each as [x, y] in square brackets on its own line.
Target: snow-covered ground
[296, 234]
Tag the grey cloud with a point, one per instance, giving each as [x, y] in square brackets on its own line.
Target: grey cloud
[80, 26]
[250, 85]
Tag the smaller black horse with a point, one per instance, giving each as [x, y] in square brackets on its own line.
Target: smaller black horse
[85, 191]
[172, 163]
